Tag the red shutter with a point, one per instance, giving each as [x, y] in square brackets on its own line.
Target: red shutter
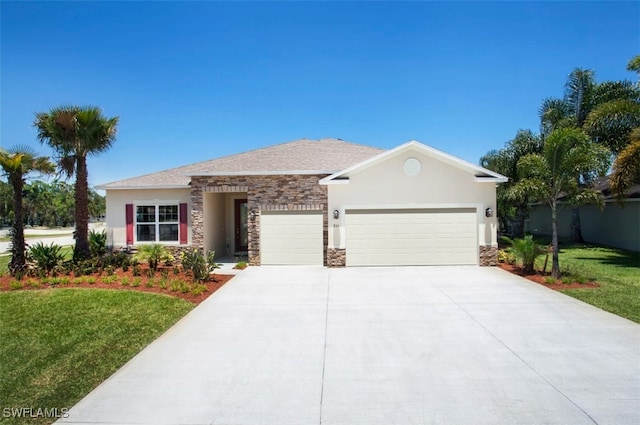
[129, 218]
[184, 237]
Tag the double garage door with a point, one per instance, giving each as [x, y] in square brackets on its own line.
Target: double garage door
[411, 237]
[390, 237]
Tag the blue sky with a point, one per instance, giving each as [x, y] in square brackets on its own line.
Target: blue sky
[192, 81]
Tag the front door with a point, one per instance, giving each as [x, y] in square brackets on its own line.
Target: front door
[241, 225]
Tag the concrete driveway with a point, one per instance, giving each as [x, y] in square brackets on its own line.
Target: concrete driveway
[412, 345]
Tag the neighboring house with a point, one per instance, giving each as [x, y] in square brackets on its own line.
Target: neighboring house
[617, 225]
[325, 202]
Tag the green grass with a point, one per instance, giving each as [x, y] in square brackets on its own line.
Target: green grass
[4, 264]
[57, 345]
[616, 270]
[44, 235]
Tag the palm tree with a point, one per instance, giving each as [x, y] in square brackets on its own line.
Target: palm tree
[16, 164]
[551, 175]
[75, 133]
[626, 168]
[607, 112]
[512, 203]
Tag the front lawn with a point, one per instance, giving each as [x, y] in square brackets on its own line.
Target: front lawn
[57, 345]
[617, 271]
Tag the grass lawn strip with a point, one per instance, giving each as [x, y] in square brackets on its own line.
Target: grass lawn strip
[57, 345]
[617, 271]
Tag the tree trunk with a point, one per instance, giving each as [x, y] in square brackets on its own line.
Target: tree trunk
[81, 250]
[555, 264]
[17, 265]
[576, 228]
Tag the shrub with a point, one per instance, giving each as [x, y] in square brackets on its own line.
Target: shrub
[199, 267]
[153, 254]
[136, 282]
[504, 256]
[136, 270]
[15, 284]
[525, 250]
[97, 243]
[34, 283]
[110, 279]
[116, 260]
[241, 265]
[198, 289]
[549, 280]
[46, 258]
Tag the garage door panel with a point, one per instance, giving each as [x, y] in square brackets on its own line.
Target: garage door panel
[411, 237]
[291, 238]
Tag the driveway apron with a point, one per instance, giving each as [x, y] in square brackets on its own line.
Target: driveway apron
[397, 345]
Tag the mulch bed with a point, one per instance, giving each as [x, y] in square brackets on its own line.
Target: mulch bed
[102, 281]
[541, 278]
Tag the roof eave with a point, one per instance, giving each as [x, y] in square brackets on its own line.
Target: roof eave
[260, 173]
[107, 187]
[428, 150]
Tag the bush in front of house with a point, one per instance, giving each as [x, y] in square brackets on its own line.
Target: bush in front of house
[197, 265]
[526, 250]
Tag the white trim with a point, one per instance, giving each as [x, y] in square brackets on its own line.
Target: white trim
[259, 173]
[427, 150]
[420, 206]
[482, 179]
[107, 187]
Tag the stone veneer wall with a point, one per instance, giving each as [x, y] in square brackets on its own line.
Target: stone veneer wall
[488, 255]
[336, 257]
[264, 193]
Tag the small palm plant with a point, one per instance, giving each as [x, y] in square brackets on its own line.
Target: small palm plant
[97, 243]
[153, 254]
[526, 250]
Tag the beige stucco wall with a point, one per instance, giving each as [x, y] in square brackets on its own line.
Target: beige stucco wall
[214, 223]
[615, 226]
[386, 185]
[118, 198]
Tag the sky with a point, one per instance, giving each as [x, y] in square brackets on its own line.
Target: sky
[192, 81]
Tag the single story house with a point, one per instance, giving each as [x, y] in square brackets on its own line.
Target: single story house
[325, 202]
[617, 225]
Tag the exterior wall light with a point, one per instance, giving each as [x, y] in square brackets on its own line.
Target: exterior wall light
[252, 214]
[336, 214]
[488, 212]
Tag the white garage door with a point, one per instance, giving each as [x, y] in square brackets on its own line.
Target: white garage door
[291, 237]
[411, 237]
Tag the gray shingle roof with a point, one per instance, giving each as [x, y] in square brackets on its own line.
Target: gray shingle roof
[304, 156]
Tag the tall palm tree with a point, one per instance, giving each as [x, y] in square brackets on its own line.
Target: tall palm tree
[550, 174]
[75, 133]
[16, 164]
[607, 112]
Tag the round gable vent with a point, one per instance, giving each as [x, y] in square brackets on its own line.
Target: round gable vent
[412, 167]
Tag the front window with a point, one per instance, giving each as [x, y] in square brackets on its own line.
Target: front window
[157, 223]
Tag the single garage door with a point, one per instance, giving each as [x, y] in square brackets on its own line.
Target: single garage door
[291, 237]
[401, 237]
